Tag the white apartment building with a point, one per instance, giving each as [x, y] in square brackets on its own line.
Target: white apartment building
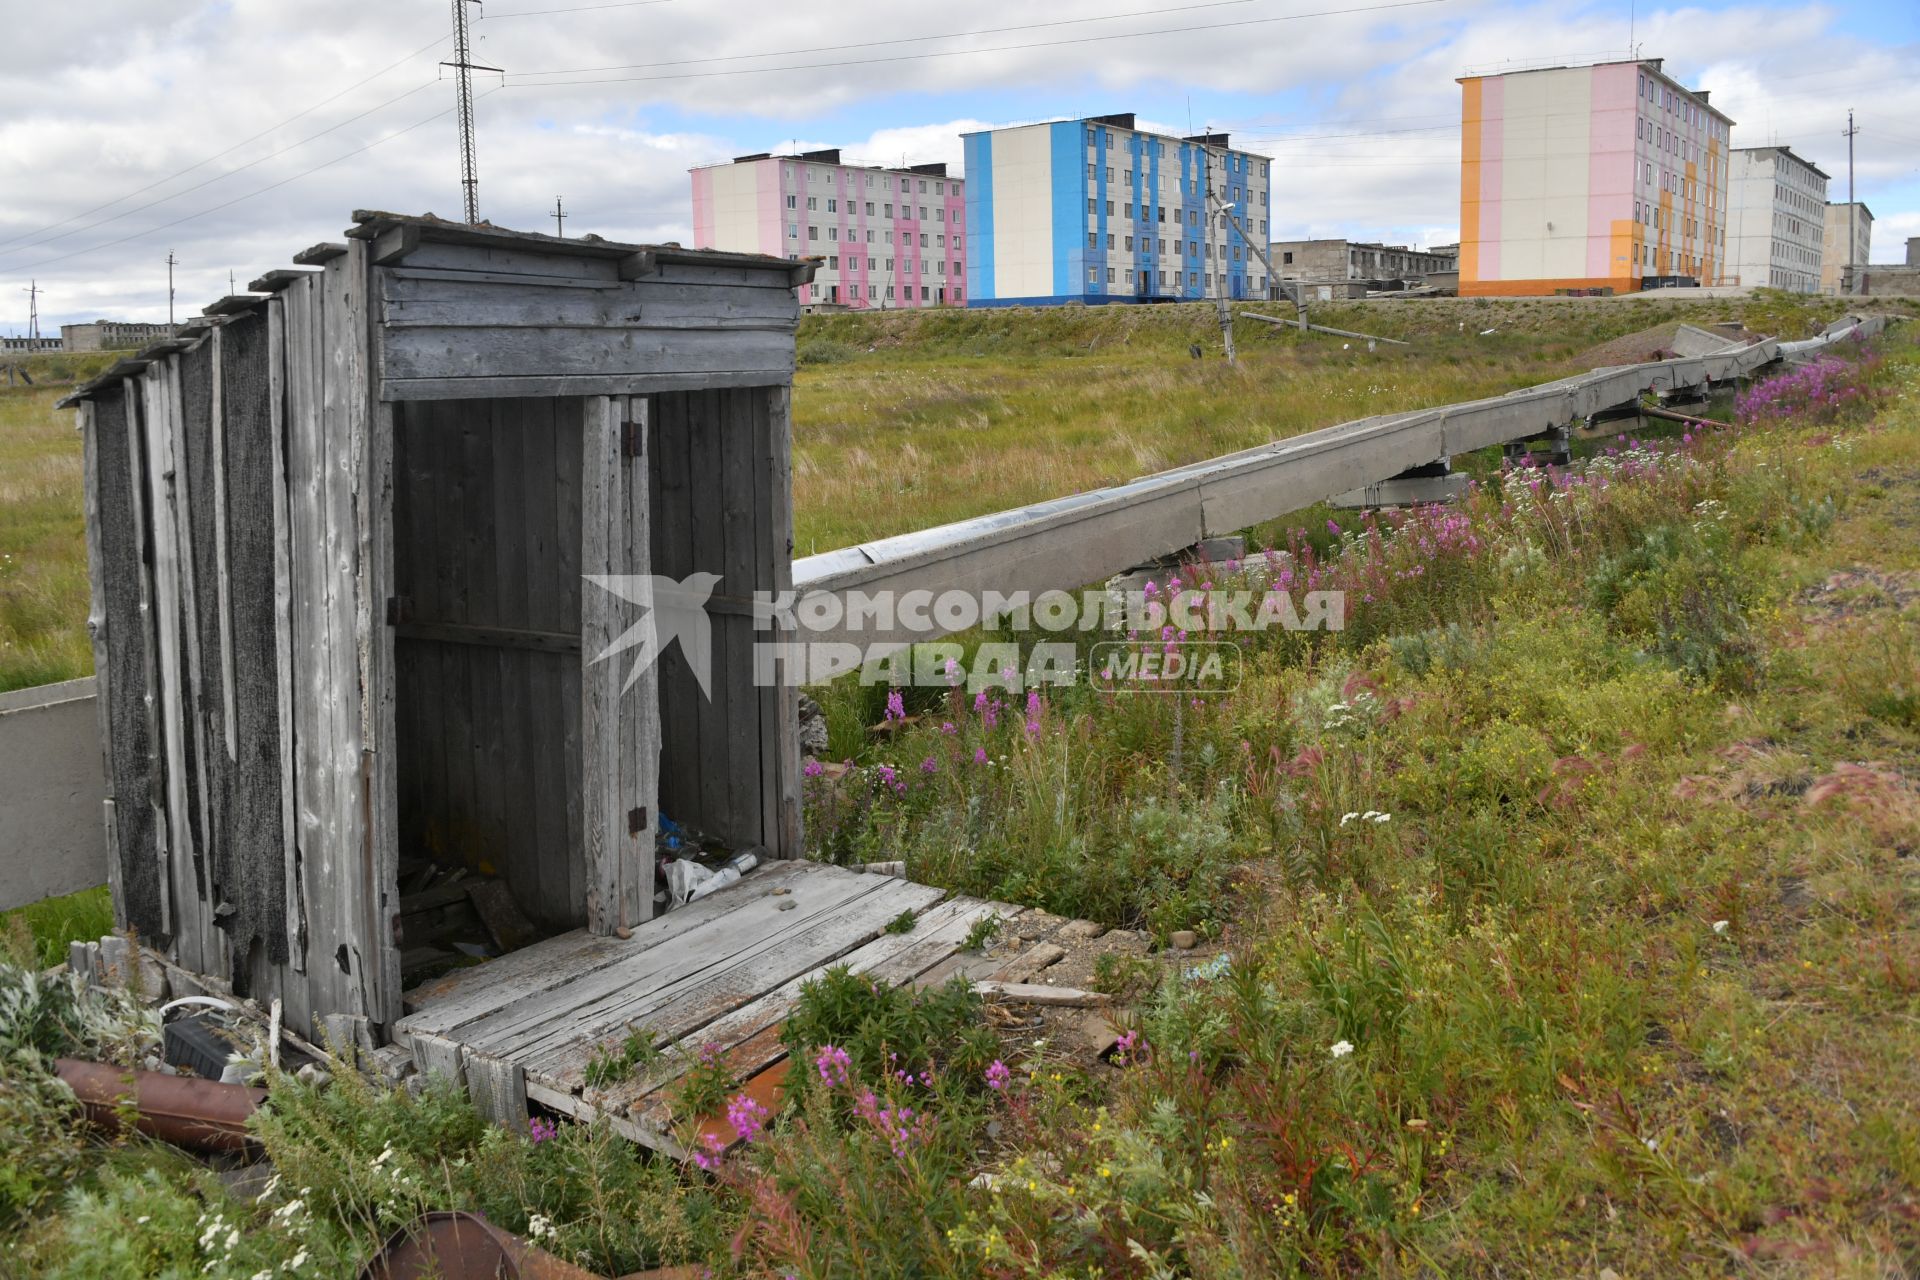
[1776, 224]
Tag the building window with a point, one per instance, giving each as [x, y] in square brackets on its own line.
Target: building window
[813, 233]
[790, 201]
[1093, 275]
[1286, 257]
[813, 202]
[1093, 240]
[833, 262]
[889, 210]
[1129, 244]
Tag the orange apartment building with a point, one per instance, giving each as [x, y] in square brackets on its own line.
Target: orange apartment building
[1603, 177]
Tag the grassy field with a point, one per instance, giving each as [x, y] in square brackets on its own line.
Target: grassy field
[43, 555]
[1560, 914]
[907, 420]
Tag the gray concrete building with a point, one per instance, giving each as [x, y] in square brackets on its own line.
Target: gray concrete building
[112, 335]
[1847, 239]
[1335, 266]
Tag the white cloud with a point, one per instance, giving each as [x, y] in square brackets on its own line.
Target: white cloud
[1360, 111]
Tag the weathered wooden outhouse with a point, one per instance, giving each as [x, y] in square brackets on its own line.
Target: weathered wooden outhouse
[341, 534]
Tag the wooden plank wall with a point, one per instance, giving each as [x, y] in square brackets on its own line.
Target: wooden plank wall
[335, 453]
[251, 869]
[719, 490]
[570, 326]
[487, 519]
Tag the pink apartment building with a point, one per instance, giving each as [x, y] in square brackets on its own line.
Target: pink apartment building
[884, 238]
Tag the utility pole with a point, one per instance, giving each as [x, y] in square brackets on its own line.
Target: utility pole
[464, 66]
[559, 218]
[171, 261]
[1214, 218]
[33, 292]
[1846, 277]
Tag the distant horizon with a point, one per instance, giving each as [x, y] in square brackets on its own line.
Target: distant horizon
[125, 135]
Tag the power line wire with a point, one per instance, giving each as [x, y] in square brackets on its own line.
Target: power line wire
[877, 44]
[181, 173]
[259, 191]
[222, 176]
[958, 53]
[585, 8]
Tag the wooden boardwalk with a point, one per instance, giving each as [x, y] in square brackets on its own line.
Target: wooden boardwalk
[717, 975]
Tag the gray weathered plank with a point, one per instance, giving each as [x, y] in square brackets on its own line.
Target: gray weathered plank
[555, 386]
[448, 1005]
[277, 392]
[754, 923]
[890, 958]
[498, 1088]
[789, 840]
[720, 977]
[441, 352]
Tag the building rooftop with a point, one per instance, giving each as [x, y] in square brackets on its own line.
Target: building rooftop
[830, 155]
[1127, 120]
[1652, 65]
[1787, 151]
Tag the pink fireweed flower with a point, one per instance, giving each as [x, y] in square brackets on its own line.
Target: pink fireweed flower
[540, 1129]
[896, 706]
[710, 1152]
[929, 765]
[949, 728]
[979, 755]
[813, 768]
[832, 1062]
[998, 1075]
[747, 1116]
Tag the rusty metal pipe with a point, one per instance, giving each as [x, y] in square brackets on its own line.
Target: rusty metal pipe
[200, 1115]
[1654, 411]
[456, 1245]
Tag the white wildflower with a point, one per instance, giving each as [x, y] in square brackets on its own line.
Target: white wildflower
[1340, 1048]
[1346, 818]
[1720, 926]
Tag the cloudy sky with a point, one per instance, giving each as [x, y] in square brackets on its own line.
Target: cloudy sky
[232, 133]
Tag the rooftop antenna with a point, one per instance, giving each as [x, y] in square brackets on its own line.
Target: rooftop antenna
[464, 66]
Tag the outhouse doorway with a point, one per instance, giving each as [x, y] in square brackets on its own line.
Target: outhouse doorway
[498, 628]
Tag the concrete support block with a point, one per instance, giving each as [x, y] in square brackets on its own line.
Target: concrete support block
[1549, 448]
[1404, 490]
[1210, 551]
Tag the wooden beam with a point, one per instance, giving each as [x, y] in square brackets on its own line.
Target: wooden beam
[488, 637]
[276, 280]
[324, 252]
